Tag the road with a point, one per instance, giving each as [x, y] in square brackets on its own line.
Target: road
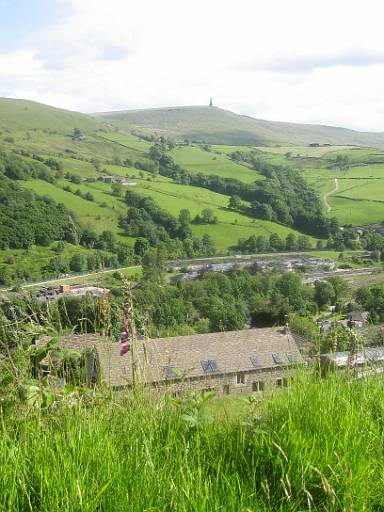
[329, 207]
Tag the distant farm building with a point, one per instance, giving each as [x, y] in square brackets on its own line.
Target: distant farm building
[226, 362]
[118, 179]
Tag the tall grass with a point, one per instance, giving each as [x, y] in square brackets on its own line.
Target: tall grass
[316, 446]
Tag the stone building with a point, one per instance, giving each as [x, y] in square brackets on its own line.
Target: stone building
[226, 362]
[363, 362]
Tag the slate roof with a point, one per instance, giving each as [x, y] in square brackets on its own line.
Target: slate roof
[358, 316]
[162, 359]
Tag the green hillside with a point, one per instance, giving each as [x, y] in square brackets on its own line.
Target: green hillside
[28, 115]
[359, 198]
[217, 126]
[272, 199]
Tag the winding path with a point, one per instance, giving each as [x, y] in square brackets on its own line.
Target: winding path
[329, 207]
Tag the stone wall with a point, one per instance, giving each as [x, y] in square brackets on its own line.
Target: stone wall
[230, 384]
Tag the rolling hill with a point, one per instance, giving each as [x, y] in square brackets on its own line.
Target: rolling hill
[211, 125]
[217, 126]
[27, 115]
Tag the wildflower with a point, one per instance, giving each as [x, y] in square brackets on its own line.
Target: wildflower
[124, 333]
[127, 322]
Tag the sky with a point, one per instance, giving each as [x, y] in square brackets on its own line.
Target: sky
[288, 60]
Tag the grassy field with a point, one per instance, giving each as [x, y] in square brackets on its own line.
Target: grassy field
[231, 226]
[128, 141]
[304, 151]
[315, 446]
[29, 115]
[172, 197]
[89, 213]
[197, 160]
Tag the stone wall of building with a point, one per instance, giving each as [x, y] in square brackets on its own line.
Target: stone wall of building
[230, 384]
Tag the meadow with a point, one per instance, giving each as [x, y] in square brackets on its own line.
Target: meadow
[172, 197]
[89, 213]
[231, 225]
[197, 160]
[359, 199]
[315, 446]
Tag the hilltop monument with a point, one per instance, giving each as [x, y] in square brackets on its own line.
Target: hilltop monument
[211, 102]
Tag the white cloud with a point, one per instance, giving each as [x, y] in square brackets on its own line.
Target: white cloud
[295, 61]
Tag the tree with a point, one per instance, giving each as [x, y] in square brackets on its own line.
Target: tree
[340, 287]
[304, 243]
[324, 293]
[291, 242]
[262, 243]
[5, 276]
[262, 210]
[78, 263]
[154, 264]
[57, 265]
[125, 254]
[117, 189]
[77, 134]
[208, 217]
[89, 196]
[185, 216]
[235, 202]
[60, 246]
[208, 245]
[107, 240]
[320, 245]
[276, 242]
[141, 246]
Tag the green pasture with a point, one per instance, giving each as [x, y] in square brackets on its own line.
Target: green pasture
[230, 149]
[232, 225]
[198, 160]
[89, 213]
[358, 154]
[371, 190]
[93, 146]
[356, 212]
[77, 167]
[304, 151]
[129, 172]
[129, 141]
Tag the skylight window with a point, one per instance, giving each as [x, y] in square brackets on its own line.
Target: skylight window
[291, 358]
[170, 372]
[210, 366]
[277, 358]
[255, 361]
